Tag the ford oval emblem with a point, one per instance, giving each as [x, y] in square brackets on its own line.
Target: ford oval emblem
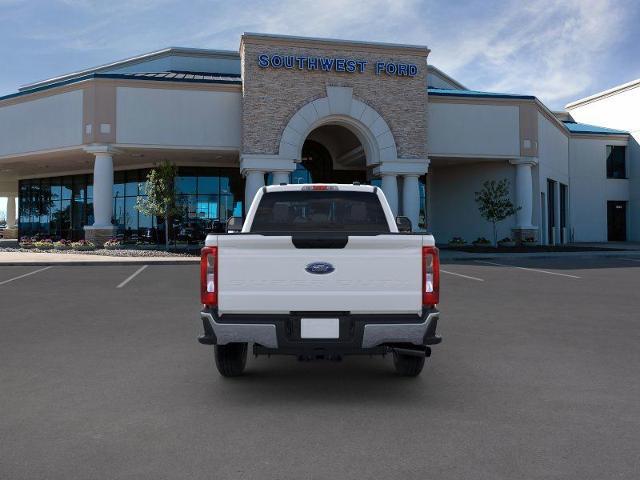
[319, 268]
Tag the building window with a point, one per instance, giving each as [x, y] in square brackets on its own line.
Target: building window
[422, 218]
[551, 211]
[54, 207]
[564, 197]
[616, 161]
[60, 207]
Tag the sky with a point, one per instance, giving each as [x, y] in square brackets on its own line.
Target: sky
[557, 50]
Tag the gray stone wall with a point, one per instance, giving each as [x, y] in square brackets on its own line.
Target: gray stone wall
[271, 96]
[98, 236]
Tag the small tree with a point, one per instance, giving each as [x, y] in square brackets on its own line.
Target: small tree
[494, 203]
[161, 199]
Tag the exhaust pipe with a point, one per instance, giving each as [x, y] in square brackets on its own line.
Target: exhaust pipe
[413, 352]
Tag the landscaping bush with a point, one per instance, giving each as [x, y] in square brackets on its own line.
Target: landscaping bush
[481, 241]
[113, 244]
[46, 244]
[83, 245]
[26, 242]
[507, 242]
[62, 245]
[457, 242]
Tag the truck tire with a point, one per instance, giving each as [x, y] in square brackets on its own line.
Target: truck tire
[231, 359]
[408, 365]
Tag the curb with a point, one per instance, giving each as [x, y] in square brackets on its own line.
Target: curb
[92, 263]
[546, 256]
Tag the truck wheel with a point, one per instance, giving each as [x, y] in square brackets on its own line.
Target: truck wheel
[231, 359]
[408, 365]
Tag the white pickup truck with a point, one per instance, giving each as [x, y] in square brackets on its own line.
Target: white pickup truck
[320, 271]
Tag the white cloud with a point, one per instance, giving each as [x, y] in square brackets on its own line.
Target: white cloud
[352, 19]
[545, 48]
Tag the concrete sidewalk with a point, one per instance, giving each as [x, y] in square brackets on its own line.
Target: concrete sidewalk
[461, 256]
[33, 258]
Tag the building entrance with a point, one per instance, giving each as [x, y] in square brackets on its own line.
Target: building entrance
[617, 221]
[331, 154]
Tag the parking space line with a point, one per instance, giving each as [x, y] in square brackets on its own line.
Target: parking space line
[132, 276]
[25, 275]
[529, 269]
[632, 259]
[463, 276]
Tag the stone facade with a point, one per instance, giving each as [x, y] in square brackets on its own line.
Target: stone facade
[522, 234]
[9, 233]
[271, 96]
[98, 236]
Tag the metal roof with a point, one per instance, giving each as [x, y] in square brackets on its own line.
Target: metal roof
[445, 92]
[135, 60]
[585, 128]
[435, 70]
[186, 77]
[182, 75]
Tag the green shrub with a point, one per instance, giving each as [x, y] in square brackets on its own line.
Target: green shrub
[62, 245]
[83, 245]
[43, 244]
[481, 241]
[457, 241]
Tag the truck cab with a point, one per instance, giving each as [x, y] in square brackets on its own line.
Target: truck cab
[320, 271]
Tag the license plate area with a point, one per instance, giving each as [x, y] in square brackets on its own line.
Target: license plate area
[321, 328]
[345, 329]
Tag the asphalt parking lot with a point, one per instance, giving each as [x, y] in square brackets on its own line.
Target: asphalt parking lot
[538, 377]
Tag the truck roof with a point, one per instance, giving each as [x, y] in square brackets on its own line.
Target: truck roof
[296, 187]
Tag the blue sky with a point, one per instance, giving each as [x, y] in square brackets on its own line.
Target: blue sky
[557, 50]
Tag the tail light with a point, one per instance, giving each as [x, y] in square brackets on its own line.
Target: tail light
[430, 276]
[209, 276]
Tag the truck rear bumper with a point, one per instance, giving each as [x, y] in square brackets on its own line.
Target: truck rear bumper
[358, 333]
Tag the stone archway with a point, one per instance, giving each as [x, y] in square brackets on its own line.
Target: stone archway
[340, 108]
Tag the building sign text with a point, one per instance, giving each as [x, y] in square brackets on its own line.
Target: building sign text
[331, 64]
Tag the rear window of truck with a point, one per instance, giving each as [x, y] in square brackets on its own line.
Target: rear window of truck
[324, 211]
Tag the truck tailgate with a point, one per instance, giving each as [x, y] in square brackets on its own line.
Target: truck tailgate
[372, 274]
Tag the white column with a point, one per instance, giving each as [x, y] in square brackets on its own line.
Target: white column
[254, 182]
[279, 177]
[11, 212]
[524, 193]
[390, 189]
[103, 189]
[411, 199]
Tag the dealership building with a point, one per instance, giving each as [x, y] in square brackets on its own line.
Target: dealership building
[76, 149]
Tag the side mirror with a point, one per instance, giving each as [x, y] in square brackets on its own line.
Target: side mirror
[234, 224]
[404, 224]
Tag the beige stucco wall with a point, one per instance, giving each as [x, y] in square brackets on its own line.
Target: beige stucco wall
[178, 117]
[590, 189]
[620, 110]
[453, 210]
[271, 96]
[54, 121]
[466, 129]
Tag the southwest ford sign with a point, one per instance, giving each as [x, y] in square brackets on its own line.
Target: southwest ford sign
[334, 64]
